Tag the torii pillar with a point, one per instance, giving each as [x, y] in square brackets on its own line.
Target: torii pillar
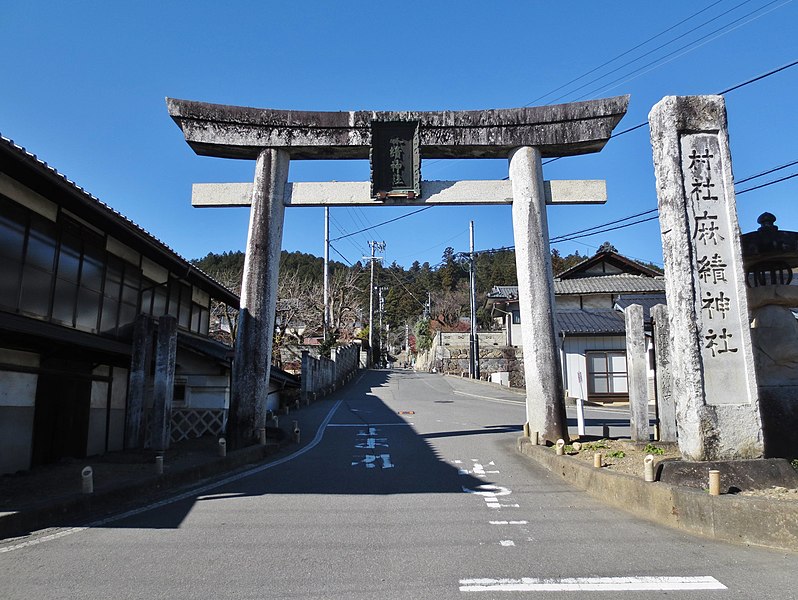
[273, 137]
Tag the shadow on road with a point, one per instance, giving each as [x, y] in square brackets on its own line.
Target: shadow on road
[367, 448]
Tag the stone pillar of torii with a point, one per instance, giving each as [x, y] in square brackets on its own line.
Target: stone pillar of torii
[395, 142]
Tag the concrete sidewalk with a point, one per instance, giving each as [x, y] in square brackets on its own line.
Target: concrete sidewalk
[51, 495]
[754, 521]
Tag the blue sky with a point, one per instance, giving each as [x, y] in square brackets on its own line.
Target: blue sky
[83, 87]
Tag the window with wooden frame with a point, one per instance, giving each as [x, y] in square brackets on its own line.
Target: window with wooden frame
[606, 375]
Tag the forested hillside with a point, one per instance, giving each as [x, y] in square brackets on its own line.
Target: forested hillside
[406, 292]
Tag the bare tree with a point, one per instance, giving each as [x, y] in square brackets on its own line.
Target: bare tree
[450, 305]
[345, 307]
[299, 307]
[224, 318]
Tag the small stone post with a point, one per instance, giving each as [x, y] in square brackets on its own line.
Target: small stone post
[636, 369]
[666, 407]
[164, 386]
[140, 367]
[87, 480]
[545, 397]
[714, 382]
[253, 353]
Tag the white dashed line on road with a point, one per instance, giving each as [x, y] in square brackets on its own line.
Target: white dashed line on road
[591, 584]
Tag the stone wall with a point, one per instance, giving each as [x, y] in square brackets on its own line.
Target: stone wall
[322, 375]
[454, 361]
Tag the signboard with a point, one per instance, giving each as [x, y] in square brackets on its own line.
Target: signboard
[395, 160]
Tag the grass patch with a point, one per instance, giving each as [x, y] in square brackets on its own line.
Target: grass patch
[652, 449]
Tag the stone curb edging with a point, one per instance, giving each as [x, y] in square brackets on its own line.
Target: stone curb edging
[73, 511]
[730, 518]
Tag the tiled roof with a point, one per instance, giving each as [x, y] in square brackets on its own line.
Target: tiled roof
[609, 284]
[99, 205]
[627, 265]
[601, 284]
[647, 301]
[573, 322]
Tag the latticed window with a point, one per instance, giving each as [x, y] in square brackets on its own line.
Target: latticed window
[606, 373]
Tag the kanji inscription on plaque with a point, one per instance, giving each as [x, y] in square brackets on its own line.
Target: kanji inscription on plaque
[718, 310]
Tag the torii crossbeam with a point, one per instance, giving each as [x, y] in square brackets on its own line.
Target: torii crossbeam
[274, 137]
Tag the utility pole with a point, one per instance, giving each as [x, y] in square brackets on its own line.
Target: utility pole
[407, 342]
[473, 362]
[374, 247]
[326, 317]
[381, 289]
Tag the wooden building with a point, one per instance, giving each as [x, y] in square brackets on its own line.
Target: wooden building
[75, 276]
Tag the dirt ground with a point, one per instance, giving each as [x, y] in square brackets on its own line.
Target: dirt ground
[625, 456]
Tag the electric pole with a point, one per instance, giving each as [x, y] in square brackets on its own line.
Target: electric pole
[326, 317]
[473, 363]
[374, 247]
[380, 290]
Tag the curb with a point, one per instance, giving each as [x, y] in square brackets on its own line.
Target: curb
[71, 511]
[729, 518]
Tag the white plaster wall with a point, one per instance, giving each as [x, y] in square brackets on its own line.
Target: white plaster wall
[203, 391]
[515, 335]
[567, 302]
[95, 443]
[575, 361]
[597, 301]
[206, 386]
[17, 406]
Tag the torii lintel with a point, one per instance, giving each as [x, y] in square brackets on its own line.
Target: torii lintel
[242, 132]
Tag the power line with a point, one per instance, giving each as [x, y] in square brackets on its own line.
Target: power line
[557, 238]
[576, 237]
[661, 46]
[384, 223]
[768, 172]
[757, 187]
[750, 81]
[395, 276]
[726, 91]
[342, 256]
[622, 54]
[341, 229]
[686, 48]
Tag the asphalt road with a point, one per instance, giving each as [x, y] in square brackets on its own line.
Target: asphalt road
[411, 489]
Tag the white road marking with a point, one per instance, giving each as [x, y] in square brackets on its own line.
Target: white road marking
[361, 425]
[591, 584]
[191, 493]
[509, 522]
[507, 543]
[489, 399]
[373, 442]
[370, 460]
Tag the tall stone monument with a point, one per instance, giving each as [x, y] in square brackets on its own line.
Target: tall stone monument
[714, 380]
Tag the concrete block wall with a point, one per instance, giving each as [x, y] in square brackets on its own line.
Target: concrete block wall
[322, 375]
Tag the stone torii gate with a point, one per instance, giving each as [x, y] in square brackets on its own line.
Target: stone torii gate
[395, 142]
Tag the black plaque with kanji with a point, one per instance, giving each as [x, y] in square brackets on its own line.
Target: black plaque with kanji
[395, 160]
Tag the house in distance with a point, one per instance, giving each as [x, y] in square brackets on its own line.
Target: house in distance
[589, 301]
